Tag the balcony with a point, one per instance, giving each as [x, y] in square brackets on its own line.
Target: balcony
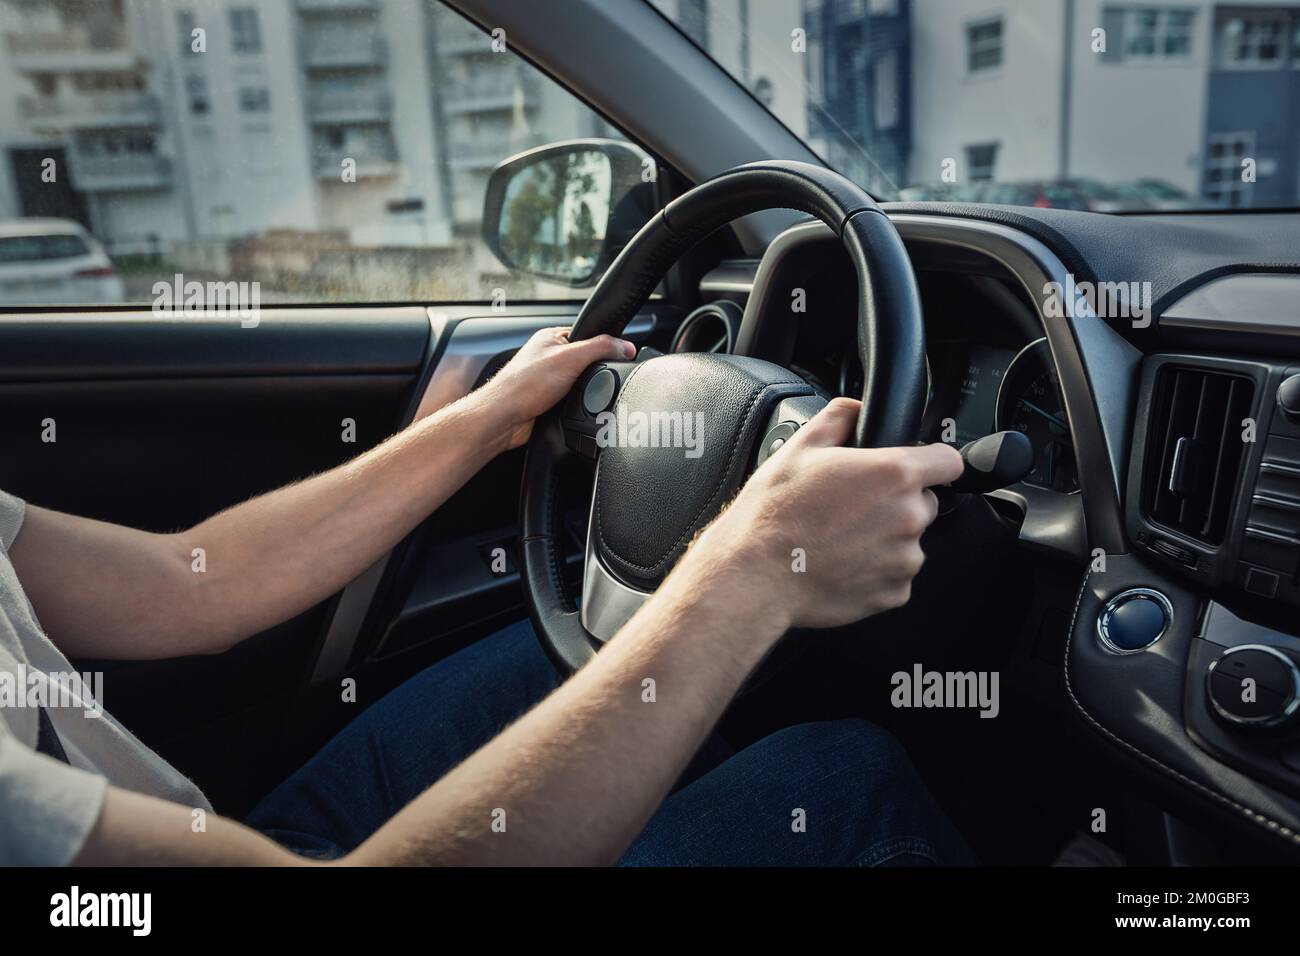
[457, 38]
[353, 106]
[492, 93]
[100, 174]
[91, 110]
[337, 6]
[372, 161]
[344, 51]
[70, 50]
[483, 154]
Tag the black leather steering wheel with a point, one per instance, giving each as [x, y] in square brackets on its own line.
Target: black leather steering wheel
[718, 416]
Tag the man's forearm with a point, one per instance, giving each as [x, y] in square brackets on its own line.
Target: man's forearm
[571, 782]
[276, 555]
[577, 778]
[147, 596]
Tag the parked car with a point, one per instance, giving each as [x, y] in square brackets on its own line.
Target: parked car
[54, 262]
[1098, 196]
[1163, 195]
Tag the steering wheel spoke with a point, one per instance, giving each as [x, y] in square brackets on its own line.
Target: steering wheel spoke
[607, 603]
[786, 419]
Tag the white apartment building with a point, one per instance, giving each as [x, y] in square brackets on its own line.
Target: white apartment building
[201, 121]
[1108, 90]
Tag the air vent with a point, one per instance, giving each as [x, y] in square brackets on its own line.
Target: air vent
[710, 328]
[1193, 471]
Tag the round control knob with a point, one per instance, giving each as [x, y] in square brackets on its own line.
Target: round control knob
[1134, 620]
[1254, 686]
[1288, 395]
[599, 393]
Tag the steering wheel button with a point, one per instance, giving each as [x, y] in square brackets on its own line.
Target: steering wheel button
[777, 436]
[599, 393]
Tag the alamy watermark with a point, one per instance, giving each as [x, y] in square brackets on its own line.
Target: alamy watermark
[133, 911]
[635, 429]
[946, 689]
[218, 300]
[1103, 300]
[28, 687]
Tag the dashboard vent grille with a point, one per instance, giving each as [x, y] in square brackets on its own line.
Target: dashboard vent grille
[1196, 450]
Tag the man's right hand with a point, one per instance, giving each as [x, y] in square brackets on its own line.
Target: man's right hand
[832, 532]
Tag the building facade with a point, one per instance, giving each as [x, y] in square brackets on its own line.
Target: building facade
[173, 125]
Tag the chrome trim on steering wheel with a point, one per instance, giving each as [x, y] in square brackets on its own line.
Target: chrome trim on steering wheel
[607, 603]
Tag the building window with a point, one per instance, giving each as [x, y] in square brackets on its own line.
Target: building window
[984, 45]
[981, 159]
[185, 26]
[1223, 182]
[1157, 33]
[886, 89]
[1257, 41]
[245, 35]
[254, 99]
[196, 92]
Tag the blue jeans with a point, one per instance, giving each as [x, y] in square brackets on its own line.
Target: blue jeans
[839, 793]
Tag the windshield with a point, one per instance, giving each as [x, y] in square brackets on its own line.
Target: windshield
[1073, 104]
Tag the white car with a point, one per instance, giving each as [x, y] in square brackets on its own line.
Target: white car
[54, 262]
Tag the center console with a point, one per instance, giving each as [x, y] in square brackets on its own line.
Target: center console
[1182, 651]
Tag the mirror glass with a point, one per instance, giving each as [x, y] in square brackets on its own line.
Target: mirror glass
[555, 213]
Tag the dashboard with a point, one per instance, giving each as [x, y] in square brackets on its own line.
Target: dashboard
[1166, 468]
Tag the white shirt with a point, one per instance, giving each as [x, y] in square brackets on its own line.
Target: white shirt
[47, 807]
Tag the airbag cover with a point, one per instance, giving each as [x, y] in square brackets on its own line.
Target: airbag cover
[675, 448]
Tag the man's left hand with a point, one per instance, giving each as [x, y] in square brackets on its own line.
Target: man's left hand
[542, 373]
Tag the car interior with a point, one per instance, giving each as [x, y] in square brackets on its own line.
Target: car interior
[1142, 562]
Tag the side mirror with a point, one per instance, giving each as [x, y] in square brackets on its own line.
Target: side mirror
[563, 212]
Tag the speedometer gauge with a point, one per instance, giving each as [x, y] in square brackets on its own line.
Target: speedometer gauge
[1030, 401]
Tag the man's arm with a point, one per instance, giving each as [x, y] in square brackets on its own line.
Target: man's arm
[102, 590]
[579, 776]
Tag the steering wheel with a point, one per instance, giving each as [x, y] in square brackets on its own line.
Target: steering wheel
[675, 436]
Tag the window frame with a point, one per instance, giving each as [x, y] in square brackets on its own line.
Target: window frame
[245, 31]
[1210, 189]
[1161, 32]
[973, 50]
[1287, 40]
[994, 147]
[242, 99]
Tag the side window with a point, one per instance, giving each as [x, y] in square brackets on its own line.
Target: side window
[331, 152]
